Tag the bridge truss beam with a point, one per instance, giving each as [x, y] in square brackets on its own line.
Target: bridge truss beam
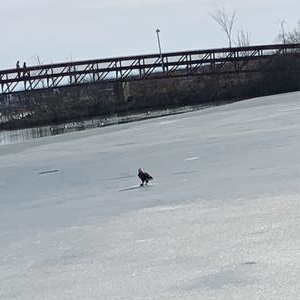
[185, 63]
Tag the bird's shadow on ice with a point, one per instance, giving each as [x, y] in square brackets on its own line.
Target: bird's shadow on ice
[135, 187]
[120, 177]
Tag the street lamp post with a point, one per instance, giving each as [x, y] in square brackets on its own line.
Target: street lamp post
[282, 31]
[159, 48]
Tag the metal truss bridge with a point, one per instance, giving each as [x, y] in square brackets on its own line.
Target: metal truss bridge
[141, 67]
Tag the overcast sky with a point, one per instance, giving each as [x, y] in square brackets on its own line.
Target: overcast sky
[64, 30]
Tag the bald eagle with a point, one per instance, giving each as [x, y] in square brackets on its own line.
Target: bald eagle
[144, 176]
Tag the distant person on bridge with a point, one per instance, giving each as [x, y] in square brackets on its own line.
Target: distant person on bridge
[25, 70]
[18, 68]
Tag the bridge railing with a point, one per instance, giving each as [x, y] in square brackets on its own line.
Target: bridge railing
[139, 67]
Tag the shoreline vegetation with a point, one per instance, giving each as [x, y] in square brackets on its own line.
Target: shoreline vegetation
[14, 136]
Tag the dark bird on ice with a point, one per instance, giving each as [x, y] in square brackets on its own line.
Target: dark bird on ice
[144, 176]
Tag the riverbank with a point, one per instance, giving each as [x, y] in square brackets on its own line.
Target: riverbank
[24, 135]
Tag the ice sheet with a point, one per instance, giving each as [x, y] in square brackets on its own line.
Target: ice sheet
[219, 221]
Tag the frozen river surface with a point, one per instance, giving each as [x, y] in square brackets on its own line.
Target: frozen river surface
[220, 220]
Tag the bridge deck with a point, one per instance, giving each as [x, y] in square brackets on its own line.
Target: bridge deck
[185, 63]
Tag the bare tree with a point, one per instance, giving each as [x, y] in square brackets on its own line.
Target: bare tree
[225, 20]
[281, 37]
[294, 36]
[243, 38]
[37, 61]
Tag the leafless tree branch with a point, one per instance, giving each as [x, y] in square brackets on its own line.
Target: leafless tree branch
[225, 20]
